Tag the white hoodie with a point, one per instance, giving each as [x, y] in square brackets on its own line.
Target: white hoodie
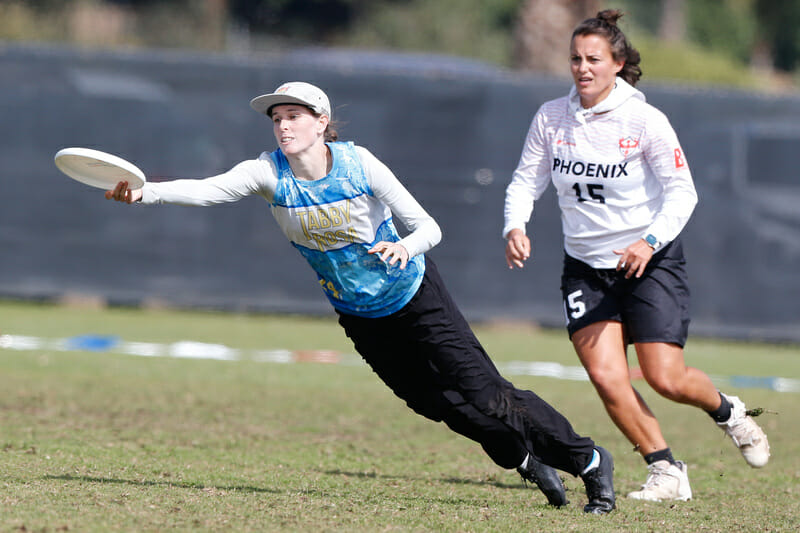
[618, 169]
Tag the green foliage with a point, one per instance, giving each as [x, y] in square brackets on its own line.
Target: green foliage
[21, 22]
[469, 28]
[690, 63]
[731, 28]
[728, 28]
[642, 14]
[721, 34]
[780, 27]
[111, 442]
[297, 20]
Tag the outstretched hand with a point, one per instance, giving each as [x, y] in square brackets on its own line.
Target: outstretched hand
[122, 193]
[392, 251]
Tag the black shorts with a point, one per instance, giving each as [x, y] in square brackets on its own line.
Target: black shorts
[653, 308]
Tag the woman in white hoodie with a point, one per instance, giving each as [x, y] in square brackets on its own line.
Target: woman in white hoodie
[625, 192]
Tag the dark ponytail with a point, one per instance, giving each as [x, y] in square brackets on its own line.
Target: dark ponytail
[331, 134]
[605, 25]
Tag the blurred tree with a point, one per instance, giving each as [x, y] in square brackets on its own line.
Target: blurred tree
[543, 30]
[778, 33]
[152, 22]
[644, 15]
[478, 29]
[724, 26]
[672, 27]
[296, 20]
[95, 24]
[529, 34]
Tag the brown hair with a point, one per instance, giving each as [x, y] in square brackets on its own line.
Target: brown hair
[331, 134]
[605, 25]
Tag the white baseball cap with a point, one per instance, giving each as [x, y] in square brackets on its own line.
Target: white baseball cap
[294, 92]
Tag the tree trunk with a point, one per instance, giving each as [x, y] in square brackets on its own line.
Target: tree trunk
[761, 61]
[672, 26]
[543, 31]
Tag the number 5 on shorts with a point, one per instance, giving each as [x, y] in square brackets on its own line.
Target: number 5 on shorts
[573, 306]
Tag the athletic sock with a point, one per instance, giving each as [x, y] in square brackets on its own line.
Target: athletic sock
[593, 463]
[660, 455]
[721, 413]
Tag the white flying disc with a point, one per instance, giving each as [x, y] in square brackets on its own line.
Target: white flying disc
[98, 169]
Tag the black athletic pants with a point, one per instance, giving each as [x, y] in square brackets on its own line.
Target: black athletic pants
[429, 356]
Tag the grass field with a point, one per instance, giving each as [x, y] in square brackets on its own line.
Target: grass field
[105, 441]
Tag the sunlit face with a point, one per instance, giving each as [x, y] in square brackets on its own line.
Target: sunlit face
[296, 128]
[594, 70]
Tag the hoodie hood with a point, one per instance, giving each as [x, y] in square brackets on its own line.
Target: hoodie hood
[621, 92]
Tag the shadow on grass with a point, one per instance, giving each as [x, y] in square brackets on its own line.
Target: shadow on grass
[362, 475]
[150, 483]
[453, 480]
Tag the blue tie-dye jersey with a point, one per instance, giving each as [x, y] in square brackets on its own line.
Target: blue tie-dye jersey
[333, 222]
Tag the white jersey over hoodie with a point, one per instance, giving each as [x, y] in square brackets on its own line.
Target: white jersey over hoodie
[618, 169]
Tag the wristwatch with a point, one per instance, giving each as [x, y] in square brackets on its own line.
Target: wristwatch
[652, 241]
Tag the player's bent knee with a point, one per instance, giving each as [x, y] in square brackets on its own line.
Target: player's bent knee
[668, 388]
[609, 384]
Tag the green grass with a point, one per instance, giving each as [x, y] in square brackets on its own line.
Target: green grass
[112, 442]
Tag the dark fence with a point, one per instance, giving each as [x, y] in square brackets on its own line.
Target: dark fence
[452, 130]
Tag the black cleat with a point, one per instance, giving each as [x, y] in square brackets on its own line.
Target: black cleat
[599, 484]
[547, 479]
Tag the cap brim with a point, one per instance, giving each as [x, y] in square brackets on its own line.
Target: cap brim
[265, 101]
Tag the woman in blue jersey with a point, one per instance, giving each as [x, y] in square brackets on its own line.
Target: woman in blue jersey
[336, 203]
[625, 193]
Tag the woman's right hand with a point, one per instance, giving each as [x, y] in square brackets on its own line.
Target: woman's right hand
[518, 248]
[121, 193]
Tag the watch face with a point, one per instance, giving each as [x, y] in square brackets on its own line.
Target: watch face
[651, 240]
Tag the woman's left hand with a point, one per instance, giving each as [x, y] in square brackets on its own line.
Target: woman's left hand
[392, 251]
[634, 258]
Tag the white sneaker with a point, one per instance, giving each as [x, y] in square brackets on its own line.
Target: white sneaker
[665, 481]
[745, 433]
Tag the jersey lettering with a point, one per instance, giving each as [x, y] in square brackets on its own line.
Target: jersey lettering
[590, 170]
[327, 225]
[679, 161]
[327, 286]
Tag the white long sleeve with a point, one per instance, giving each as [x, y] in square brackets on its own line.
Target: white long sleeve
[259, 177]
[424, 231]
[530, 179]
[256, 176]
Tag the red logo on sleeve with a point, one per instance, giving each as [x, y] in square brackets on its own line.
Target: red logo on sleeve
[679, 161]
